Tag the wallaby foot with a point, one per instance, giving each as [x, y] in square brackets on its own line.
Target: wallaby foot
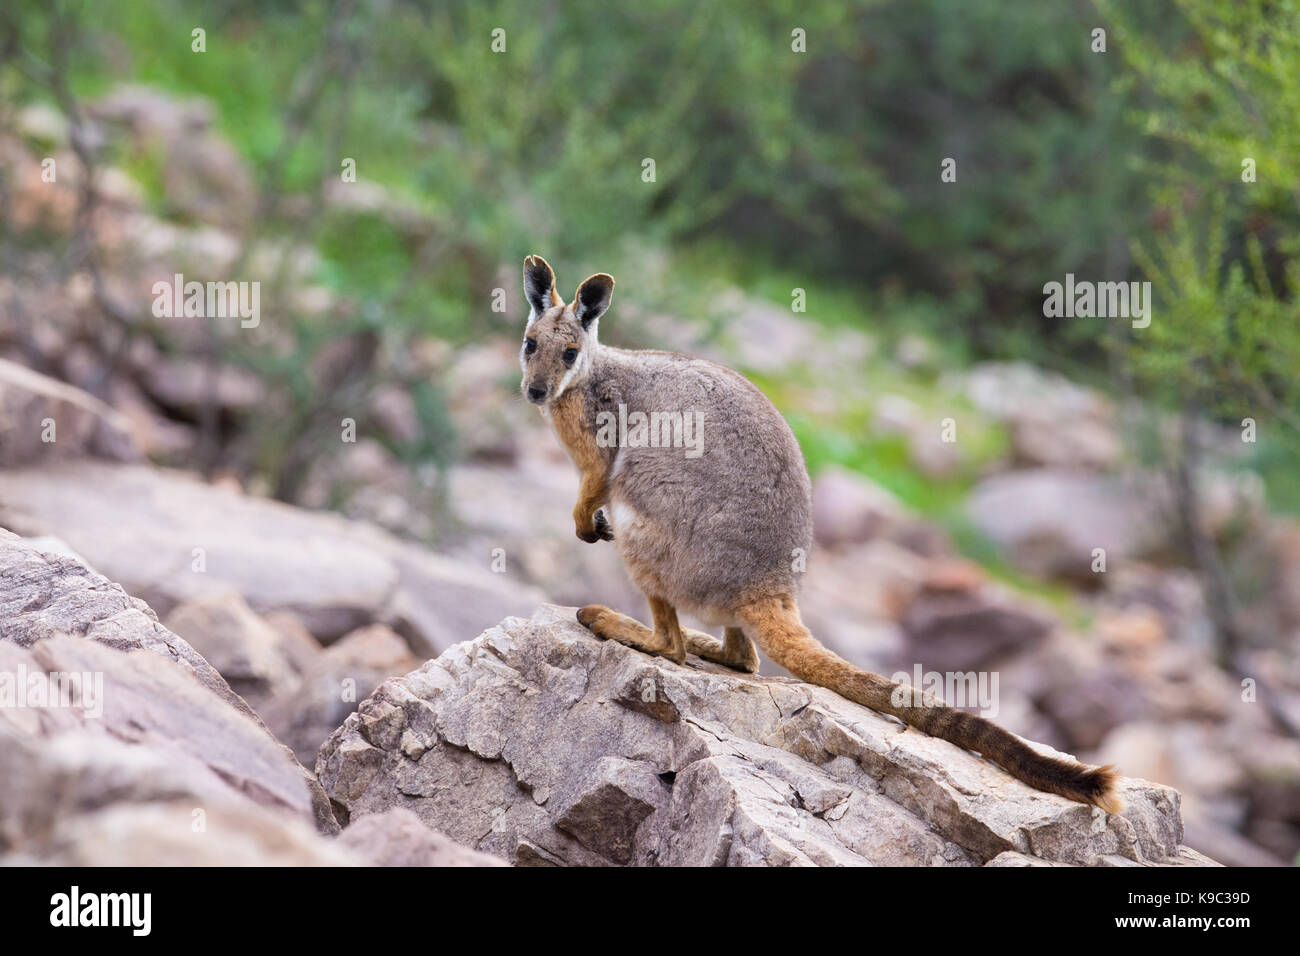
[735, 651]
[611, 625]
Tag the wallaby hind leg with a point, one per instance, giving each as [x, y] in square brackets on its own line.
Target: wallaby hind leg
[735, 650]
[666, 638]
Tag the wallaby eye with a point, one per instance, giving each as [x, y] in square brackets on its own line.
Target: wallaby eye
[530, 346]
[570, 355]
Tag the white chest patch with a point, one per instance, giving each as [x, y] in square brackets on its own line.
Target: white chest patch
[623, 516]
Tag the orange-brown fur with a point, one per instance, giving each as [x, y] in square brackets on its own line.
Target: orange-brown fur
[572, 424]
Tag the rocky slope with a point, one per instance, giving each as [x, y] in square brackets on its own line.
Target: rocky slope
[304, 614]
[170, 538]
[543, 745]
[156, 761]
[534, 743]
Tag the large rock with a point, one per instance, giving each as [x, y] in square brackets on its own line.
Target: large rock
[156, 735]
[961, 630]
[256, 659]
[185, 385]
[329, 689]
[849, 509]
[1053, 422]
[169, 539]
[154, 761]
[35, 408]
[543, 745]
[396, 837]
[1049, 521]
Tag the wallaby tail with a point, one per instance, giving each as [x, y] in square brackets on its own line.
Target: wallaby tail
[774, 624]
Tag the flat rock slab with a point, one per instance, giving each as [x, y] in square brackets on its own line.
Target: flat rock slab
[543, 745]
[169, 538]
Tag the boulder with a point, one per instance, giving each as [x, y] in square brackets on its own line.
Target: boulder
[247, 651]
[185, 386]
[1041, 440]
[931, 455]
[346, 672]
[169, 539]
[396, 837]
[35, 407]
[540, 744]
[1049, 521]
[896, 415]
[763, 336]
[121, 746]
[962, 630]
[152, 724]
[1053, 422]
[849, 509]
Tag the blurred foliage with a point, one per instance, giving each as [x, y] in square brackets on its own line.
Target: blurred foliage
[826, 162]
[1222, 84]
[773, 168]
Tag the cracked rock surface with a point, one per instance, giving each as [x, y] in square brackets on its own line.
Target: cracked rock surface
[117, 779]
[540, 744]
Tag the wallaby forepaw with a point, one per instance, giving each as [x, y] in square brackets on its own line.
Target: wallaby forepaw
[599, 530]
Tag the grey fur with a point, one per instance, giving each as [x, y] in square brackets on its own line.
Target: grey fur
[705, 534]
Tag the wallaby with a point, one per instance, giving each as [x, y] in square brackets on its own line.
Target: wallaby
[715, 530]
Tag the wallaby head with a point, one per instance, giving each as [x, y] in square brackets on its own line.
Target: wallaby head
[560, 339]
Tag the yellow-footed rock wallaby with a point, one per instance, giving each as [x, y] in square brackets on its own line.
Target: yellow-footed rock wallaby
[709, 504]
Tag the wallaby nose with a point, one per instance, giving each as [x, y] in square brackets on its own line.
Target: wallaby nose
[536, 394]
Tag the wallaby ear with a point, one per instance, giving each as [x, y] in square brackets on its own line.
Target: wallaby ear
[539, 284]
[592, 298]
